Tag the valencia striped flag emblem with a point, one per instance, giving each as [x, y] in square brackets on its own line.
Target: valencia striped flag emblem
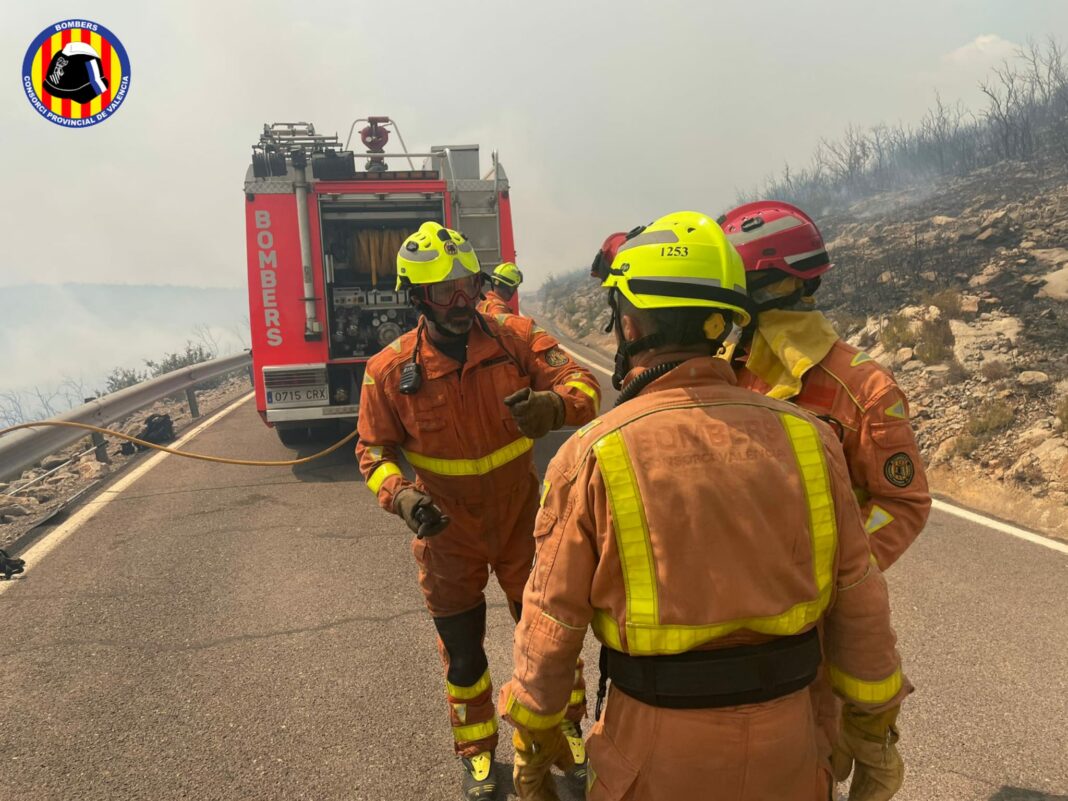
[76, 73]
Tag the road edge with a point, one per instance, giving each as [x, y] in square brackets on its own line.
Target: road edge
[53, 539]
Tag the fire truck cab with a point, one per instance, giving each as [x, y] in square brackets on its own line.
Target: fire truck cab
[322, 234]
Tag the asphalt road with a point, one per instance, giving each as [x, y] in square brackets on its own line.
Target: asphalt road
[219, 632]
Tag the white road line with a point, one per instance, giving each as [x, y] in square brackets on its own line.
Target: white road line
[52, 540]
[997, 525]
[948, 508]
[590, 362]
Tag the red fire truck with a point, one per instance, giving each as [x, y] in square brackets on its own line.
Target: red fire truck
[323, 233]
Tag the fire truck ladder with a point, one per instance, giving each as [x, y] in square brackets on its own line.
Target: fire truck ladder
[285, 137]
[476, 211]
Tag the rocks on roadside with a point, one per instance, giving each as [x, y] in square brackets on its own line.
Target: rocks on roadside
[11, 509]
[903, 356]
[1046, 462]
[1032, 378]
[944, 452]
[91, 470]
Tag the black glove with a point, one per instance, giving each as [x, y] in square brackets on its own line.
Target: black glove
[536, 413]
[418, 510]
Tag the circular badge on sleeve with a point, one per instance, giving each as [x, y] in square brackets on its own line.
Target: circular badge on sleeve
[899, 470]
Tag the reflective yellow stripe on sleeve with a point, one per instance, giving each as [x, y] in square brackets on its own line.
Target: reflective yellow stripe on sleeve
[529, 719]
[461, 693]
[811, 461]
[631, 529]
[577, 697]
[474, 731]
[865, 692]
[586, 389]
[381, 473]
[471, 467]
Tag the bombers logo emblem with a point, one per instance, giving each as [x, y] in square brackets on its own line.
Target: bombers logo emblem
[76, 73]
[555, 357]
[899, 470]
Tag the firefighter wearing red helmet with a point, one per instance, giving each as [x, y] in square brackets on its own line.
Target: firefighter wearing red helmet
[604, 257]
[711, 539]
[461, 398]
[792, 352]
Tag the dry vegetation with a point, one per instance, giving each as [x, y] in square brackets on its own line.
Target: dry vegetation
[934, 341]
[990, 419]
[1026, 115]
[995, 370]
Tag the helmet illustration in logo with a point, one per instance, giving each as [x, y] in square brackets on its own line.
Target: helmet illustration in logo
[76, 73]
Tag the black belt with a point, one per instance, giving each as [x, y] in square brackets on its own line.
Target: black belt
[746, 674]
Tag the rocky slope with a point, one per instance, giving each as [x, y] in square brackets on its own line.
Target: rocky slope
[961, 288]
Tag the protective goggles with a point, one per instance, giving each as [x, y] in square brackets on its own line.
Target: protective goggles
[603, 260]
[448, 293]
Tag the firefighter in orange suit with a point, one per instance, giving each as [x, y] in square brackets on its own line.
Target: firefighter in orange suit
[505, 280]
[461, 397]
[706, 532]
[792, 352]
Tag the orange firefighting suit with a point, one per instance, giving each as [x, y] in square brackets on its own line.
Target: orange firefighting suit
[859, 398]
[494, 304]
[700, 516]
[470, 457]
[810, 365]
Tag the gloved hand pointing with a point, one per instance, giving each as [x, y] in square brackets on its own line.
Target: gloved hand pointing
[418, 510]
[536, 413]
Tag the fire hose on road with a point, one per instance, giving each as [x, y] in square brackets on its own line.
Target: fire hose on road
[187, 454]
[11, 565]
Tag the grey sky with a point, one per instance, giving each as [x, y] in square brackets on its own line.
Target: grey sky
[606, 114]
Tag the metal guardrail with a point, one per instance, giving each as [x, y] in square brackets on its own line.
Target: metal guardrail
[25, 448]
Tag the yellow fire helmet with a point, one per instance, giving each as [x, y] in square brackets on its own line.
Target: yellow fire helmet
[434, 254]
[682, 259]
[507, 274]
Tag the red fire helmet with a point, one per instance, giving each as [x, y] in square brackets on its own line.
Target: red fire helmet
[772, 235]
